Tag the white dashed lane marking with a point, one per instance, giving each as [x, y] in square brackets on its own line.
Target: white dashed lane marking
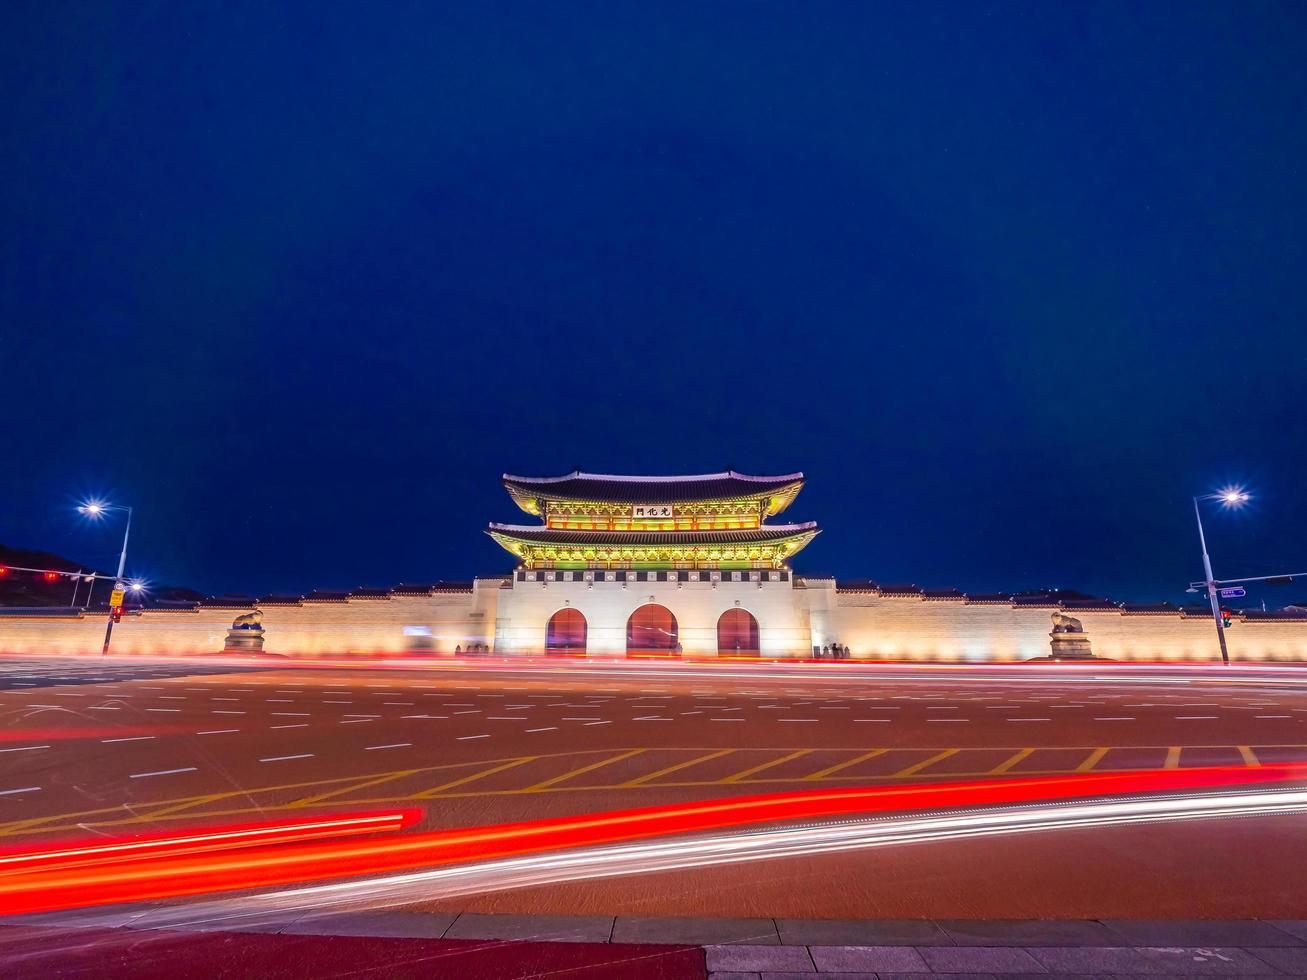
[25, 748]
[286, 758]
[396, 745]
[25, 789]
[161, 772]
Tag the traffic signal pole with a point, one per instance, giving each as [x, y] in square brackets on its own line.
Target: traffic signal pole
[1209, 581]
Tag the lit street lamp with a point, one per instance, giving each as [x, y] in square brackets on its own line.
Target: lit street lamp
[1229, 497]
[96, 510]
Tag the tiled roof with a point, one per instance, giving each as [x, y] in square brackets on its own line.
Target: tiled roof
[851, 584]
[555, 535]
[411, 590]
[1149, 607]
[900, 590]
[609, 488]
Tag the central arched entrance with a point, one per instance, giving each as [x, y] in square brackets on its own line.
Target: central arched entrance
[737, 634]
[565, 634]
[651, 632]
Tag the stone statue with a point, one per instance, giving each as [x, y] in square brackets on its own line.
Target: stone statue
[246, 634]
[1062, 623]
[1068, 639]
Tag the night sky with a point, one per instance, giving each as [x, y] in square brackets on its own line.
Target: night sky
[1009, 282]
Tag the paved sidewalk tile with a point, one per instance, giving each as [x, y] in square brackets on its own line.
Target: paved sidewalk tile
[1162, 932]
[868, 959]
[980, 959]
[1292, 960]
[1169, 960]
[185, 918]
[1208, 960]
[761, 959]
[1028, 932]
[104, 916]
[393, 924]
[836, 976]
[1294, 927]
[861, 932]
[537, 928]
[1096, 959]
[733, 976]
[694, 931]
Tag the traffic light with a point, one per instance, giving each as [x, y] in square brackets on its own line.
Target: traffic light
[1226, 619]
[51, 576]
[117, 614]
[3, 571]
[1279, 580]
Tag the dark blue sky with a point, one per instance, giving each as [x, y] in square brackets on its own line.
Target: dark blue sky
[1008, 281]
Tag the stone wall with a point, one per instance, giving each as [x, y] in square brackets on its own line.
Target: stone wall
[889, 627]
[511, 616]
[425, 624]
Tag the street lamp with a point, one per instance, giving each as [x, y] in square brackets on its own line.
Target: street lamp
[1230, 497]
[96, 510]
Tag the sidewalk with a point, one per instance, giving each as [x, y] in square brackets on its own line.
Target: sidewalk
[163, 941]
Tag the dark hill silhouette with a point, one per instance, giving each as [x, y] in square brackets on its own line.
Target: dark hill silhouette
[20, 588]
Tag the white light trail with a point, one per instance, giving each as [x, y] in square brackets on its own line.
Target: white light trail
[788, 842]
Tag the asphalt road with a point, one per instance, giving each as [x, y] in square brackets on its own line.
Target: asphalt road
[90, 749]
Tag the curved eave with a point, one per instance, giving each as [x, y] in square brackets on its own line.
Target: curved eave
[518, 541]
[530, 493]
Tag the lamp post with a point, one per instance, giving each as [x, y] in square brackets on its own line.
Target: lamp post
[96, 510]
[1230, 497]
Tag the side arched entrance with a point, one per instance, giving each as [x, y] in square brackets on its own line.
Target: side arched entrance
[565, 634]
[652, 632]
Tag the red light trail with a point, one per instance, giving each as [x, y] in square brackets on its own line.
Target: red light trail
[205, 861]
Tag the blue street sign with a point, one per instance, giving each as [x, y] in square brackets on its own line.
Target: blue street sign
[1233, 593]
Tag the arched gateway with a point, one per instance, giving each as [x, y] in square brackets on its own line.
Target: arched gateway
[652, 632]
[565, 633]
[737, 634]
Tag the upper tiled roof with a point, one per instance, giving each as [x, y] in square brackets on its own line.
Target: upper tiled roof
[557, 535]
[527, 491]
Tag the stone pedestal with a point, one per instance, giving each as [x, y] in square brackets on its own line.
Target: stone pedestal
[245, 641]
[1069, 646]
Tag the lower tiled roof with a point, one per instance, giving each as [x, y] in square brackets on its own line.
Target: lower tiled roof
[567, 536]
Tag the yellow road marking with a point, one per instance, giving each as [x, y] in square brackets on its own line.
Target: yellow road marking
[200, 801]
[479, 774]
[582, 771]
[823, 773]
[1172, 758]
[1094, 758]
[1010, 761]
[640, 781]
[915, 768]
[736, 777]
[182, 808]
[345, 790]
